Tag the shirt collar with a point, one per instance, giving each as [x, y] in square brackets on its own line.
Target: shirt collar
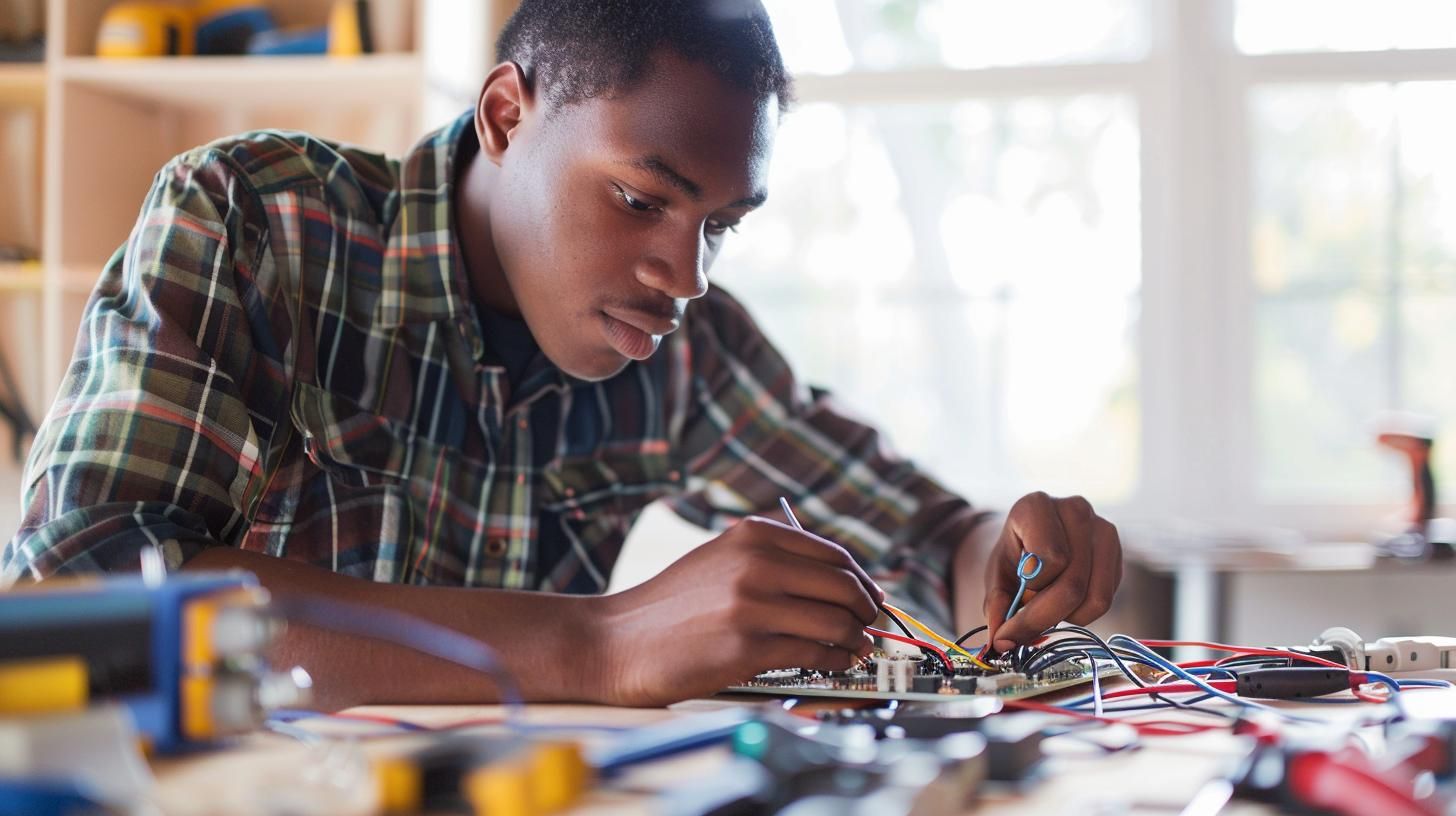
[422, 278]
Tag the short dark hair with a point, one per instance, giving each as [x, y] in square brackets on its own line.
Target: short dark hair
[572, 50]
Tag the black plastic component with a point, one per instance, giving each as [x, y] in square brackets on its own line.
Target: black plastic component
[1292, 683]
[116, 645]
[1326, 652]
[925, 683]
[444, 764]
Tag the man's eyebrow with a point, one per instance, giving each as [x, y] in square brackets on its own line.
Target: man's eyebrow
[664, 173]
[752, 202]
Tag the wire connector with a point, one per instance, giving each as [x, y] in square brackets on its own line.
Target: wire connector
[1292, 683]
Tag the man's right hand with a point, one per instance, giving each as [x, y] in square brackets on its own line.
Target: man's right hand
[760, 596]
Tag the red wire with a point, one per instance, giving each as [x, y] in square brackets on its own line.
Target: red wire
[377, 719]
[1242, 650]
[1171, 688]
[944, 658]
[1147, 728]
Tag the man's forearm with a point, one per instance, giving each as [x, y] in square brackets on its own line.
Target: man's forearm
[530, 631]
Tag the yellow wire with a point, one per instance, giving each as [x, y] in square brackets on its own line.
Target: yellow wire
[931, 633]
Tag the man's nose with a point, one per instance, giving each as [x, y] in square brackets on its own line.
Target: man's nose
[675, 270]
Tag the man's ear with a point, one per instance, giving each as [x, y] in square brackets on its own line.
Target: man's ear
[504, 101]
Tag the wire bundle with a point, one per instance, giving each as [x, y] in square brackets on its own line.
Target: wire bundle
[1203, 679]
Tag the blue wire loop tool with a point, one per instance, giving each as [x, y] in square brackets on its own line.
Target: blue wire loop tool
[1025, 576]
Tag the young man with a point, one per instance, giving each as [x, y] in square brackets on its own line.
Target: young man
[448, 385]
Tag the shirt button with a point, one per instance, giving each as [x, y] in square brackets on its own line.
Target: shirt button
[520, 478]
[521, 424]
[495, 547]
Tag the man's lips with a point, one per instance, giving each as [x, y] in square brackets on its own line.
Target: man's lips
[627, 339]
[645, 322]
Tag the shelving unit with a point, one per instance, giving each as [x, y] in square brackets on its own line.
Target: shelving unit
[103, 127]
[243, 82]
[22, 84]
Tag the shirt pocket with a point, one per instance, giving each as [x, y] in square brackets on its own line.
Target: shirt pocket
[353, 446]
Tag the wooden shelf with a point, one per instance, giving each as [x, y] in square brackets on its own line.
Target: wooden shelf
[22, 83]
[29, 276]
[251, 81]
[21, 276]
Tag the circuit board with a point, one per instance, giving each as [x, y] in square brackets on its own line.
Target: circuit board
[899, 678]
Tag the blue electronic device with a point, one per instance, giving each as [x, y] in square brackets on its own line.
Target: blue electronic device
[184, 654]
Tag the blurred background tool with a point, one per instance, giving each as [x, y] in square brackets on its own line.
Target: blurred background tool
[171, 28]
[1425, 536]
[184, 655]
[147, 28]
[484, 775]
[227, 26]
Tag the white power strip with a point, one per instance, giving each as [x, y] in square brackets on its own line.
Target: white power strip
[1391, 654]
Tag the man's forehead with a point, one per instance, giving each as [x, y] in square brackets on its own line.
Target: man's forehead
[706, 142]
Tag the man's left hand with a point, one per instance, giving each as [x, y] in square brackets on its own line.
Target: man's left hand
[1081, 559]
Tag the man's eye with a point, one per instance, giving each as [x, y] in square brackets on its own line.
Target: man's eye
[633, 203]
[720, 227]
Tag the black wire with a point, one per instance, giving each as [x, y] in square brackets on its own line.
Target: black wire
[1270, 661]
[896, 620]
[1081, 630]
[1057, 658]
[1056, 647]
[967, 636]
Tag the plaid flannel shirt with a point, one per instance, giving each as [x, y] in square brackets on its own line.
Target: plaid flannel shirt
[284, 357]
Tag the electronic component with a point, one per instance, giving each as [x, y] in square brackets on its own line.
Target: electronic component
[184, 654]
[1291, 683]
[1314, 777]
[896, 677]
[1409, 653]
[483, 774]
[1013, 741]
[835, 768]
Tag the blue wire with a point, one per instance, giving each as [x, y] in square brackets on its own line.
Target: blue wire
[1083, 701]
[1390, 683]
[293, 715]
[1385, 680]
[1425, 683]
[1179, 671]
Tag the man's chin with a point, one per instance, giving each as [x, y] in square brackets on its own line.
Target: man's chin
[594, 368]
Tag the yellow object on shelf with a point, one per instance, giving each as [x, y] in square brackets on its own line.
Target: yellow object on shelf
[146, 29]
[349, 29]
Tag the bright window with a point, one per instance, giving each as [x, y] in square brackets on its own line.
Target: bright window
[1176, 255]
[903, 259]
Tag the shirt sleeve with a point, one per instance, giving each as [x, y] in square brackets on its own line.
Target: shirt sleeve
[750, 432]
[155, 435]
